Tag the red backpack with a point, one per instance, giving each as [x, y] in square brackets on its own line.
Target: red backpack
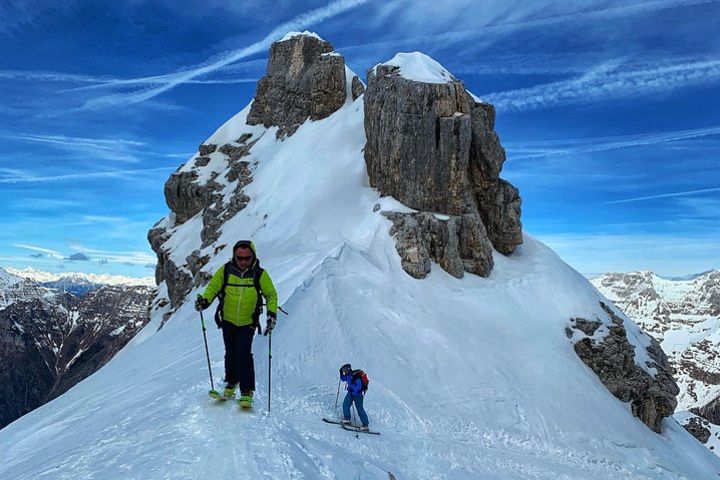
[363, 378]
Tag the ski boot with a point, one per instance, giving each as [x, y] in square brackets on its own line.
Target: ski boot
[229, 391]
[345, 421]
[246, 399]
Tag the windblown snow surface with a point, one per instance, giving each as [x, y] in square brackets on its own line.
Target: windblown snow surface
[469, 379]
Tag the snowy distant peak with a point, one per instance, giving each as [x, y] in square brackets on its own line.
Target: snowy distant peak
[421, 68]
[623, 286]
[692, 276]
[77, 277]
[6, 278]
[305, 33]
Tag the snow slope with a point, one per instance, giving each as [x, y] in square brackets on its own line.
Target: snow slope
[470, 378]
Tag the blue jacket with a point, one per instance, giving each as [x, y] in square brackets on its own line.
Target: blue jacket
[354, 385]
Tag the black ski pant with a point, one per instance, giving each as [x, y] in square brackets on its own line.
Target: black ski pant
[239, 362]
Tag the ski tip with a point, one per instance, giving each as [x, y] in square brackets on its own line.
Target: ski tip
[215, 394]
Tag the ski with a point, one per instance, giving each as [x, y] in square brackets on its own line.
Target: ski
[215, 395]
[334, 422]
[357, 430]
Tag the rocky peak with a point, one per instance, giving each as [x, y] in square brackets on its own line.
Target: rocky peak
[432, 146]
[305, 78]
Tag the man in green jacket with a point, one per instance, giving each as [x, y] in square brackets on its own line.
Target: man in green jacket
[240, 285]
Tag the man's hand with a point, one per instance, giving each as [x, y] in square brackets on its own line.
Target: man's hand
[201, 303]
[271, 320]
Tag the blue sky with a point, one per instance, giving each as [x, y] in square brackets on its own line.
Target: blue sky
[609, 113]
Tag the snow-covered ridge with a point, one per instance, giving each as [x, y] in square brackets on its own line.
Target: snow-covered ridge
[419, 67]
[103, 278]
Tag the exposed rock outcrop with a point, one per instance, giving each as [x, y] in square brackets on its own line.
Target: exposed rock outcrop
[457, 243]
[186, 196]
[604, 347]
[432, 147]
[698, 429]
[206, 149]
[710, 411]
[357, 87]
[305, 79]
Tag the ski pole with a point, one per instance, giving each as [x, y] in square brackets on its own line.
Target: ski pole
[337, 395]
[269, 369]
[353, 421]
[207, 354]
[270, 361]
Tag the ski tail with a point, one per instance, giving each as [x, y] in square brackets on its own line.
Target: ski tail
[358, 430]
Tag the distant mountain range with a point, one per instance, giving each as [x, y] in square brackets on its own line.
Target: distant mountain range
[57, 330]
[69, 278]
[683, 314]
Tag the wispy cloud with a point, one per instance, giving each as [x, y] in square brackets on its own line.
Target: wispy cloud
[607, 82]
[113, 149]
[663, 195]
[105, 149]
[522, 150]
[127, 257]
[16, 14]
[103, 81]
[418, 17]
[35, 248]
[105, 144]
[23, 177]
[172, 80]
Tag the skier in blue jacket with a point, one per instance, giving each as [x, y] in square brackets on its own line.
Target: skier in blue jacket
[355, 393]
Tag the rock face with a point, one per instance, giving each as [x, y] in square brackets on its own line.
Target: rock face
[304, 79]
[51, 341]
[433, 147]
[603, 346]
[684, 316]
[186, 196]
[456, 243]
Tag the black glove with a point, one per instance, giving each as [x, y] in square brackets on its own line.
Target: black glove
[201, 303]
[271, 320]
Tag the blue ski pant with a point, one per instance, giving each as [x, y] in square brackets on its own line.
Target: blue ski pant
[349, 399]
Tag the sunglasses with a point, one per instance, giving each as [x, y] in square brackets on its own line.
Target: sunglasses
[243, 259]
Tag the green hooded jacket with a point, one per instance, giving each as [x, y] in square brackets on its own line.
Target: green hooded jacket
[240, 294]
